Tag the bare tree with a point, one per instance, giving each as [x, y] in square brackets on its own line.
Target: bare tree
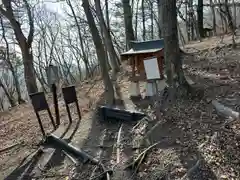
[143, 21]
[200, 18]
[9, 63]
[84, 56]
[25, 44]
[171, 45]
[108, 39]
[5, 90]
[151, 17]
[214, 17]
[136, 19]
[159, 4]
[100, 53]
[128, 22]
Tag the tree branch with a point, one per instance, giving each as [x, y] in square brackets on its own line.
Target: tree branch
[31, 24]
[8, 13]
[3, 12]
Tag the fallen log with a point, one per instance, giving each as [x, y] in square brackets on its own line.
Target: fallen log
[58, 143]
[227, 112]
[77, 153]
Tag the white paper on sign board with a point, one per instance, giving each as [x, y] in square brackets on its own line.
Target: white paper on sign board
[151, 68]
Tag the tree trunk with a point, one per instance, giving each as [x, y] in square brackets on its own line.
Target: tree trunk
[24, 43]
[107, 16]
[143, 22]
[18, 89]
[222, 14]
[187, 21]
[11, 101]
[171, 45]
[195, 25]
[151, 17]
[229, 17]
[41, 80]
[16, 81]
[234, 14]
[231, 24]
[85, 60]
[214, 17]
[100, 52]
[181, 35]
[193, 22]
[108, 39]
[200, 18]
[128, 23]
[136, 19]
[29, 74]
[106, 53]
[159, 4]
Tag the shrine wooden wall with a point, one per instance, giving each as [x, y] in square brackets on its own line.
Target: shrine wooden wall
[139, 61]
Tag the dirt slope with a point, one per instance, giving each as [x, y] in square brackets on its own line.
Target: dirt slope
[190, 130]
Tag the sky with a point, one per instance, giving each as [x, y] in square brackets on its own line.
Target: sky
[53, 5]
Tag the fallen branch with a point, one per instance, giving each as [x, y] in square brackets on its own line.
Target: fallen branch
[100, 176]
[118, 143]
[145, 138]
[138, 132]
[30, 156]
[139, 122]
[93, 172]
[141, 157]
[11, 146]
[92, 86]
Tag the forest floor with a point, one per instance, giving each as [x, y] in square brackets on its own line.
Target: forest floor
[191, 140]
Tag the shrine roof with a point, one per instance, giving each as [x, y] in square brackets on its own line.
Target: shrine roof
[145, 47]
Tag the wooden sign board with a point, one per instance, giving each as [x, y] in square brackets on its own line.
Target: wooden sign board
[52, 74]
[70, 96]
[39, 101]
[151, 68]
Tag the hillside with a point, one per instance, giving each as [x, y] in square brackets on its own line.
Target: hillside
[192, 140]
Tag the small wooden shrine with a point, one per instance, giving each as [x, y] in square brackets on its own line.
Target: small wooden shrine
[141, 51]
